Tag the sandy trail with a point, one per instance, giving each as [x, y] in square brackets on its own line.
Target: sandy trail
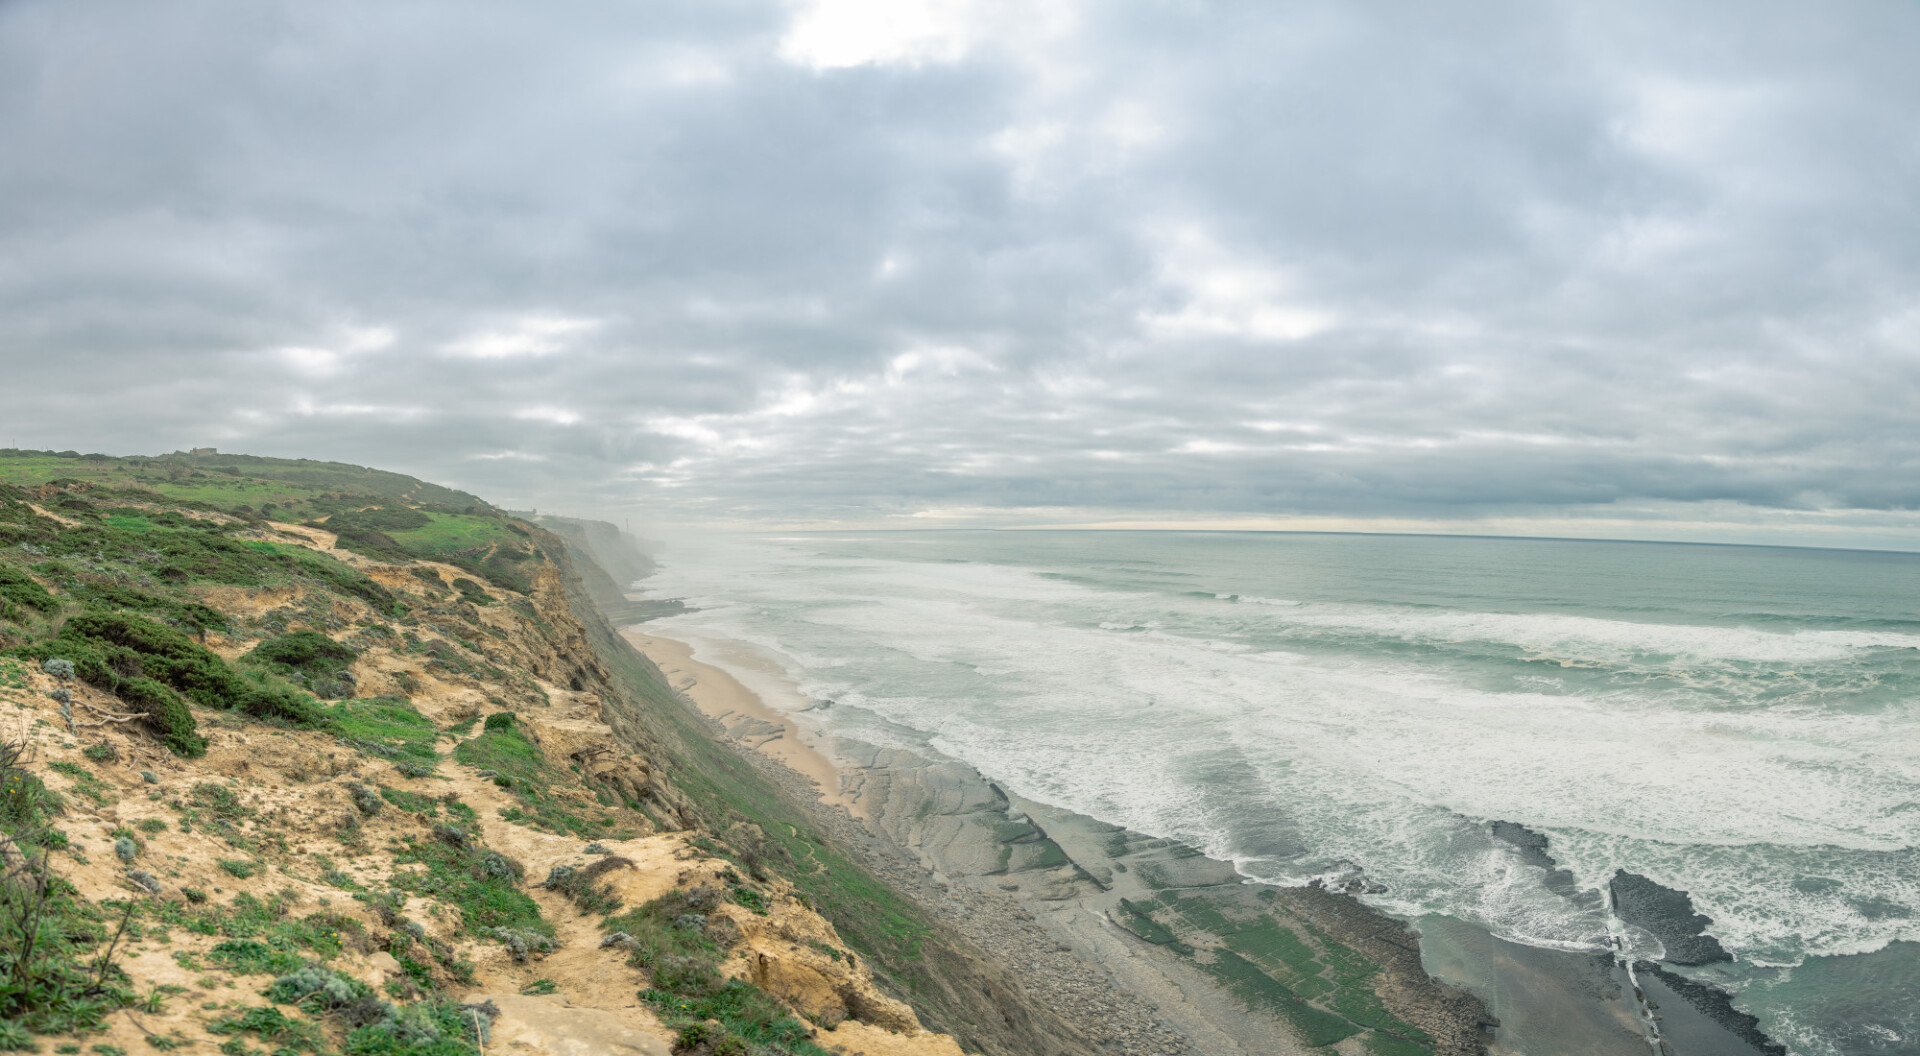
[747, 716]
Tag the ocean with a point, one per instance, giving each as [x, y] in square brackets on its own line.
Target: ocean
[1741, 723]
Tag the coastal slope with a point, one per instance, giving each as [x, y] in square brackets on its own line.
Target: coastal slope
[303, 757]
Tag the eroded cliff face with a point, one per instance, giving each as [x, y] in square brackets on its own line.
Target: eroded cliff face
[483, 831]
[957, 987]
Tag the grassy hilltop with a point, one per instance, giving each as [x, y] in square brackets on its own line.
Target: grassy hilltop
[290, 746]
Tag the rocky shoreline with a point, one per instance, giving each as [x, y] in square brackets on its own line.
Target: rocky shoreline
[1110, 1017]
[1040, 891]
[1099, 939]
[1148, 947]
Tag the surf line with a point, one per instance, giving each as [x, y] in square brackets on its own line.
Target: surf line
[1649, 1023]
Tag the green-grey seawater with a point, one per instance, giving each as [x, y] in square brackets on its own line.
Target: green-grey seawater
[1739, 723]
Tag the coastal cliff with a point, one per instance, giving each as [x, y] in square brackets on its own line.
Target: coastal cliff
[308, 757]
[304, 757]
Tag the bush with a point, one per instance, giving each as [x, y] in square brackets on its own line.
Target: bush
[309, 654]
[57, 974]
[108, 649]
[236, 868]
[522, 942]
[166, 715]
[426, 1028]
[21, 589]
[582, 884]
[312, 985]
[500, 720]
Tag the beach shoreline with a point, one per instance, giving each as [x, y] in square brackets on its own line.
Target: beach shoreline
[745, 713]
[1050, 903]
[1054, 903]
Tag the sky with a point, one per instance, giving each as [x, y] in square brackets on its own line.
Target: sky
[1647, 270]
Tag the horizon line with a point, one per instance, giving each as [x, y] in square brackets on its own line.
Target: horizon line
[1330, 531]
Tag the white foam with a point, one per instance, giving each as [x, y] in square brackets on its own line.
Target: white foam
[1148, 711]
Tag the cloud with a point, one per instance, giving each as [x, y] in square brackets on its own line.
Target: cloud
[831, 262]
[525, 336]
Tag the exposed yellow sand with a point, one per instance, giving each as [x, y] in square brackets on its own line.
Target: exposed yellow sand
[722, 696]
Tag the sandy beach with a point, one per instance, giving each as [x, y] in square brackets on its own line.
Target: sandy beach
[935, 830]
[745, 712]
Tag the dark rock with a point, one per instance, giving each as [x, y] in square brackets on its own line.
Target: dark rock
[1668, 915]
[1533, 848]
[1716, 1005]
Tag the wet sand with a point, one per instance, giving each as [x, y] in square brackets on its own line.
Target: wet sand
[745, 712]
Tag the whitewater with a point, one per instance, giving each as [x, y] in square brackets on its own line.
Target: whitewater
[1738, 723]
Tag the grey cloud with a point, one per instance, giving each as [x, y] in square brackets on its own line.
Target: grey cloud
[1374, 260]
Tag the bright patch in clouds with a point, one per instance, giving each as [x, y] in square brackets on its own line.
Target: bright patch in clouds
[834, 34]
[1228, 294]
[320, 362]
[550, 415]
[532, 335]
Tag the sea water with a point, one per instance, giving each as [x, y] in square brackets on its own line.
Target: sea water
[1740, 723]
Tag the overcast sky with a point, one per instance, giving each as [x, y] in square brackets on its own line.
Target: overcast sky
[910, 262]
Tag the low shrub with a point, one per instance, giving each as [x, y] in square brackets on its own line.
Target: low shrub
[111, 649]
[425, 1028]
[306, 656]
[582, 884]
[21, 589]
[166, 715]
[272, 1025]
[312, 986]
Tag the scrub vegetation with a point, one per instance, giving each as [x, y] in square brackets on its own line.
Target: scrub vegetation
[254, 666]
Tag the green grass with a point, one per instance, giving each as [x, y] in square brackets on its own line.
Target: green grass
[271, 1025]
[388, 727]
[519, 766]
[507, 752]
[447, 533]
[411, 802]
[483, 885]
[277, 935]
[239, 870]
[255, 957]
[297, 488]
[84, 781]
